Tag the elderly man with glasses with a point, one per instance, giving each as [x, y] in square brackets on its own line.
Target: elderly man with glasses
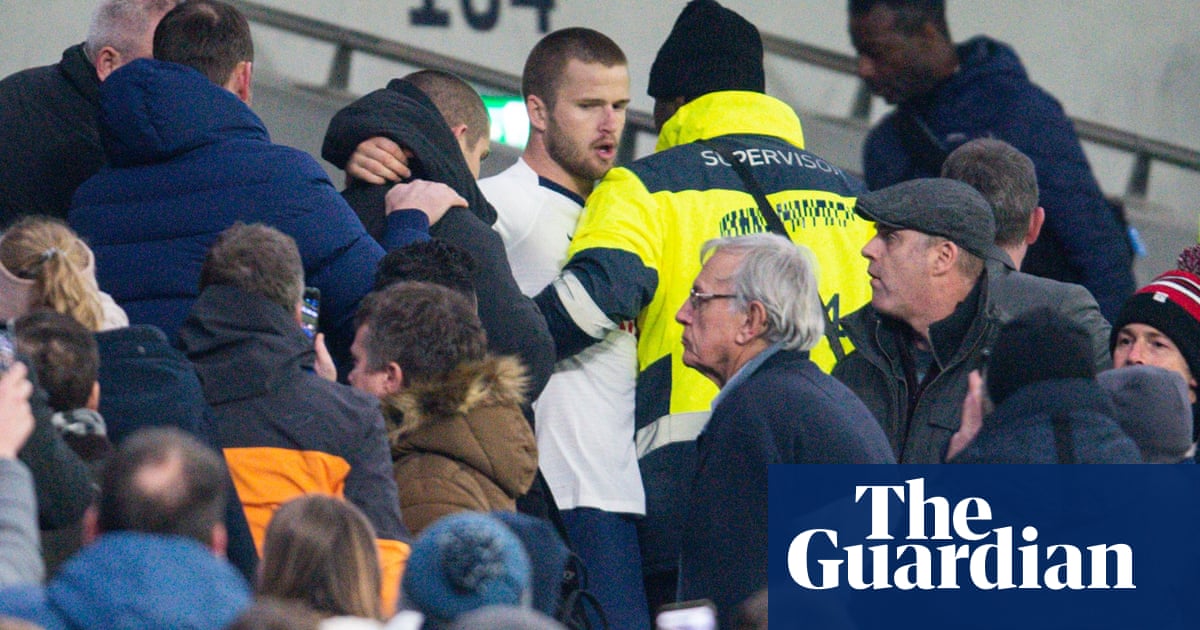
[748, 325]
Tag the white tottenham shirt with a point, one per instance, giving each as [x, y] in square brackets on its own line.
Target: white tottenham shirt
[584, 417]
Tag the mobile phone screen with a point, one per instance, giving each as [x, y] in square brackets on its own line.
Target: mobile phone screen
[8, 353]
[309, 308]
[698, 617]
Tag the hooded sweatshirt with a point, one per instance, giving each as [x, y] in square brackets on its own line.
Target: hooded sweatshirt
[187, 160]
[403, 113]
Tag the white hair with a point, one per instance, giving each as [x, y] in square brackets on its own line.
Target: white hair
[783, 277]
[125, 25]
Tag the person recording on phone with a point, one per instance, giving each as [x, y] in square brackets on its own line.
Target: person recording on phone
[284, 429]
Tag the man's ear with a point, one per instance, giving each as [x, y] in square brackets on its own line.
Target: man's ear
[93, 401]
[220, 540]
[538, 111]
[240, 80]
[755, 324]
[107, 60]
[395, 378]
[91, 524]
[943, 257]
[1036, 220]
[460, 134]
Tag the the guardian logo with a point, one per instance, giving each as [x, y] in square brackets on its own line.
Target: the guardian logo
[971, 550]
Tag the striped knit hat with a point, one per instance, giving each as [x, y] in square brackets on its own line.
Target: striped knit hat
[1171, 304]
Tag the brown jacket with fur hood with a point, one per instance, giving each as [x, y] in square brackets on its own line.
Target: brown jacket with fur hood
[463, 443]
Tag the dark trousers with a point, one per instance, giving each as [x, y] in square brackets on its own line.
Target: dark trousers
[608, 544]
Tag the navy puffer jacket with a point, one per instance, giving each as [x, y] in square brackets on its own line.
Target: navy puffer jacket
[188, 159]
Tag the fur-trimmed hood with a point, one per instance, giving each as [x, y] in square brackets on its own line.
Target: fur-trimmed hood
[492, 381]
[473, 415]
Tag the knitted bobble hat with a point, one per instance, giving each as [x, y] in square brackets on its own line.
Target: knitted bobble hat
[463, 562]
[1170, 304]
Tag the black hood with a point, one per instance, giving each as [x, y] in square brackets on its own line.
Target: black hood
[253, 344]
[405, 115]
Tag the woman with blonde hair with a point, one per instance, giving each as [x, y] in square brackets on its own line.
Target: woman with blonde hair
[320, 550]
[45, 265]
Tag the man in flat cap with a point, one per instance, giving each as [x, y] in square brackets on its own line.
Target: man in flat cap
[726, 152]
[930, 320]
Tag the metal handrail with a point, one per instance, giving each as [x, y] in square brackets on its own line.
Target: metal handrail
[348, 41]
[807, 53]
[1145, 150]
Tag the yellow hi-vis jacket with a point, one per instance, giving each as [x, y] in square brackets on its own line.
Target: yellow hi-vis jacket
[636, 249]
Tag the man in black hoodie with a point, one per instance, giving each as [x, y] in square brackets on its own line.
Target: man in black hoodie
[404, 113]
[284, 430]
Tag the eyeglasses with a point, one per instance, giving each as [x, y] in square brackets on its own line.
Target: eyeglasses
[698, 299]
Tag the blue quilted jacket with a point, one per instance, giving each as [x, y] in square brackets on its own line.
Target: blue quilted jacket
[991, 96]
[187, 159]
[128, 580]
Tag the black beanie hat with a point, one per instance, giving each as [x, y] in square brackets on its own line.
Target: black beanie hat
[1170, 304]
[710, 49]
[1039, 345]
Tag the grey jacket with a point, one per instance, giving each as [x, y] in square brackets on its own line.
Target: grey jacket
[20, 551]
[875, 372]
[1016, 292]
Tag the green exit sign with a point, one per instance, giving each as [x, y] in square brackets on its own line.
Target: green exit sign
[510, 123]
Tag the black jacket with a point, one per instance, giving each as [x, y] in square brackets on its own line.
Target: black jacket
[404, 114]
[919, 420]
[275, 416]
[61, 480]
[787, 411]
[1022, 429]
[48, 136]
[144, 382]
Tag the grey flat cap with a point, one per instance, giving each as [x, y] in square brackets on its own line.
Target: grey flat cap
[941, 207]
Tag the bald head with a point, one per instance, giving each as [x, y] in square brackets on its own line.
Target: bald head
[163, 481]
